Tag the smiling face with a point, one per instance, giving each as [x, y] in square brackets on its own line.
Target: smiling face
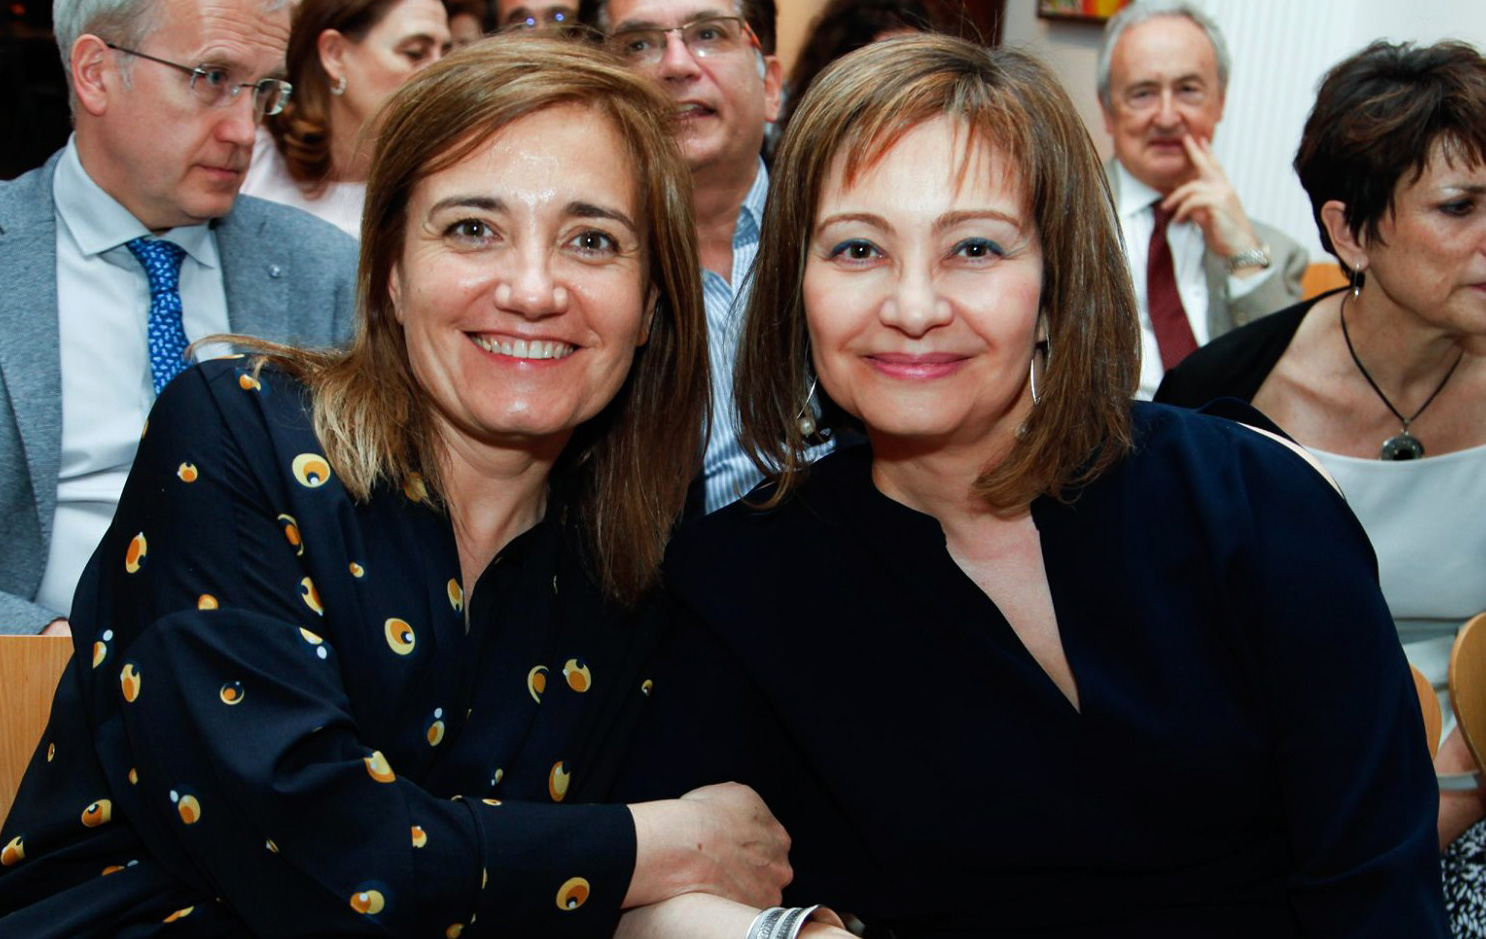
[1163, 84]
[149, 142]
[521, 287]
[723, 101]
[922, 289]
[412, 36]
[1430, 257]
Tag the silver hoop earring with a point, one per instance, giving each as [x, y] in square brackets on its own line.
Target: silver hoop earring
[806, 416]
[339, 88]
[1043, 346]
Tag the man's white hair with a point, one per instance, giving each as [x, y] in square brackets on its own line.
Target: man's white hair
[1144, 11]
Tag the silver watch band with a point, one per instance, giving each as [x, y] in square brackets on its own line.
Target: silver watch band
[1254, 257]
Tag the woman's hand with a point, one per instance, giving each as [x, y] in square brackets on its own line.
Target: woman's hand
[1459, 810]
[699, 916]
[721, 840]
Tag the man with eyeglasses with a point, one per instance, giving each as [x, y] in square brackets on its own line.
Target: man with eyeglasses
[716, 59]
[1200, 264]
[127, 245]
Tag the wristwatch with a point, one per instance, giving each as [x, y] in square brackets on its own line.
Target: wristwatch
[1254, 257]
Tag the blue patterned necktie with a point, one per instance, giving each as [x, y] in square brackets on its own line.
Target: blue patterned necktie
[162, 263]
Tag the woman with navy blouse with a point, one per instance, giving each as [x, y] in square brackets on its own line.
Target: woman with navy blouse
[1034, 660]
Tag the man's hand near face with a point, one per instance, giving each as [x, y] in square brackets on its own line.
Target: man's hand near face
[1209, 200]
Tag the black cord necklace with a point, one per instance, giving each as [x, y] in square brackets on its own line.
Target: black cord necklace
[1404, 446]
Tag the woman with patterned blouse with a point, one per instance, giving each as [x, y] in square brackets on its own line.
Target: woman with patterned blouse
[370, 627]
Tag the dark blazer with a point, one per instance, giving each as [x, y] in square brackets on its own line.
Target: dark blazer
[288, 276]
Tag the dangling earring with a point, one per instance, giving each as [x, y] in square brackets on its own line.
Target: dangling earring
[1045, 347]
[807, 413]
[1356, 279]
[339, 88]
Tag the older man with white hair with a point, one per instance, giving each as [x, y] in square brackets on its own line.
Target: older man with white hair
[1200, 264]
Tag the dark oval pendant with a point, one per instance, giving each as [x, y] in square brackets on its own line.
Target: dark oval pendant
[1403, 447]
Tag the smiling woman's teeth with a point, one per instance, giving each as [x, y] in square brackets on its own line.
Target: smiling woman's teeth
[525, 349]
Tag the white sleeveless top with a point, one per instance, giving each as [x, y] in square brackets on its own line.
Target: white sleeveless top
[1427, 522]
[268, 178]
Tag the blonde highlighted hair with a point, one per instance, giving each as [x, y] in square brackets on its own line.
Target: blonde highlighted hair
[1010, 103]
[623, 475]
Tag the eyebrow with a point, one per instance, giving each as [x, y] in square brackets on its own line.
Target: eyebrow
[1157, 82]
[876, 221]
[694, 15]
[575, 209]
[217, 58]
[589, 210]
[951, 219]
[942, 223]
[484, 203]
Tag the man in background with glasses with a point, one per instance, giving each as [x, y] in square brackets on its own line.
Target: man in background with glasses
[716, 60]
[535, 14]
[127, 245]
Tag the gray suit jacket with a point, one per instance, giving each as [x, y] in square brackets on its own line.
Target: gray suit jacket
[288, 277]
[1280, 290]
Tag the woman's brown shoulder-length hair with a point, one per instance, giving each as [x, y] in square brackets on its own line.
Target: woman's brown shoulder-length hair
[1006, 100]
[624, 474]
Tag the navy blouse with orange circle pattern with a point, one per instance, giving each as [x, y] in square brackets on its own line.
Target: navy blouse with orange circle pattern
[279, 721]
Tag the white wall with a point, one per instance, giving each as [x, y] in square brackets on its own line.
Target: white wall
[1070, 48]
[1280, 50]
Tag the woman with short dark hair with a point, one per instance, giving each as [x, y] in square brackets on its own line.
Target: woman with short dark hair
[1035, 660]
[1385, 381]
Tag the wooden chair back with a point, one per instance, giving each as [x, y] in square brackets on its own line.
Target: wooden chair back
[1468, 684]
[1321, 277]
[29, 669]
[1429, 703]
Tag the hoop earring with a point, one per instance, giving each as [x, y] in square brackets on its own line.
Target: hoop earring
[1045, 347]
[806, 417]
[339, 88]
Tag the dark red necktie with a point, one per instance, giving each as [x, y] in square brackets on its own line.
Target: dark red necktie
[1168, 319]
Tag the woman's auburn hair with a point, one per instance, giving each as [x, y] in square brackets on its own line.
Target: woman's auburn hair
[302, 130]
[1008, 102]
[623, 476]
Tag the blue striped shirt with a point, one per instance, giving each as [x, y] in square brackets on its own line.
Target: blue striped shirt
[728, 472]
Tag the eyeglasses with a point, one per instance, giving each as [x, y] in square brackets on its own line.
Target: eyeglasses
[542, 21]
[554, 23]
[215, 86]
[709, 36]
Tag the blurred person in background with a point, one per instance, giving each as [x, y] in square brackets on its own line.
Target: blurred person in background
[535, 14]
[1200, 264]
[128, 245]
[466, 21]
[345, 58]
